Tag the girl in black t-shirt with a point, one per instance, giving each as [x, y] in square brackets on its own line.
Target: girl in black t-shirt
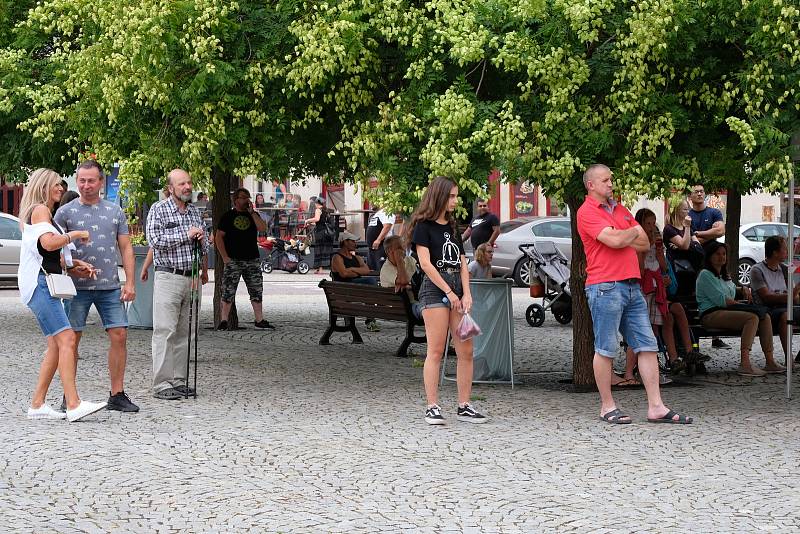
[444, 294]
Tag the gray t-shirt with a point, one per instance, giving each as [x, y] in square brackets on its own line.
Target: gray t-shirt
[104, 222]
[763, 276]
[478, 271]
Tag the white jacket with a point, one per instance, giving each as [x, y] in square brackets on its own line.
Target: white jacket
[30, 261]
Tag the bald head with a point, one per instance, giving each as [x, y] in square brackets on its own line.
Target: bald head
[180, 185]
[597, 180]
[176, 173]
[598, 170]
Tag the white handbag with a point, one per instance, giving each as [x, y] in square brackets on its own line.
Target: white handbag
[60, 286]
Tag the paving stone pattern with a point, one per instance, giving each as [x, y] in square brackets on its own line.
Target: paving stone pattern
[289, 436]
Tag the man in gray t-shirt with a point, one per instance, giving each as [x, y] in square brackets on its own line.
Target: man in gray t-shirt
[769, 287]
[108, 241]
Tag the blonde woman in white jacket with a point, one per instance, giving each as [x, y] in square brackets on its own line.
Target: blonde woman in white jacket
[42, 246]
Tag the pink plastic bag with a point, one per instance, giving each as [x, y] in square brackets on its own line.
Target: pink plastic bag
[467, 328]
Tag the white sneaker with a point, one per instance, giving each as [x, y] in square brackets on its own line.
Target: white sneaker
[84, 408]
[44, 412]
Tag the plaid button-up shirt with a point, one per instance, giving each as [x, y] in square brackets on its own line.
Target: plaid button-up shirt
[168, 234]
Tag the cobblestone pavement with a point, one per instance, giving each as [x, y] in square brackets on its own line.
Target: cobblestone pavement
[289, 436]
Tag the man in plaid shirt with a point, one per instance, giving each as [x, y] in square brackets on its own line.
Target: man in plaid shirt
[174, 226]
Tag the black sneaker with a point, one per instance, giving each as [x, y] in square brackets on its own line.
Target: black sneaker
[433, 415]
[263, 323]
[121, 403]
[223, 325]
[717, 343]
[468, 414]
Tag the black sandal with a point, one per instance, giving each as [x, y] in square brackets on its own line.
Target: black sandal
[668, 418]
[616, 417]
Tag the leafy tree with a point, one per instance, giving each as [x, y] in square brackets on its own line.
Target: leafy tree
[663, 91]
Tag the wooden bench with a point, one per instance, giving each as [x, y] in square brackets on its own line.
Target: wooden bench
[699, 331]
[348, 301]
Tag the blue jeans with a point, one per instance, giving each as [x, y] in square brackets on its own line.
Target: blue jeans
[48, 310]
[619, 307]
[108, 305]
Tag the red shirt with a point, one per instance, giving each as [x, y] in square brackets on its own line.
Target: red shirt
[603, 263]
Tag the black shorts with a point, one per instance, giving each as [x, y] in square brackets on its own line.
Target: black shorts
[430, 296]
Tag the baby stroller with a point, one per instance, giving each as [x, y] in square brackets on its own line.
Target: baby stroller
[551, 268]
[283, 255]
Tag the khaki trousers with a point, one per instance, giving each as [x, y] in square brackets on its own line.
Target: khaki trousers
[171, 303]
[747, 322]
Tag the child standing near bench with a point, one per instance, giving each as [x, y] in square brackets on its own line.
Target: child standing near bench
[445, 296]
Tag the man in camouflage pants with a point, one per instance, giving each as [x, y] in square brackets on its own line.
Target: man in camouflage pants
[236, 240]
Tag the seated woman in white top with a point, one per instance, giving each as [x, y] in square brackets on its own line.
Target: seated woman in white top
[481, 267]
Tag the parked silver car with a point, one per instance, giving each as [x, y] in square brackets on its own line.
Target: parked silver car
[10, 243]
[751, 244]
[508, 261]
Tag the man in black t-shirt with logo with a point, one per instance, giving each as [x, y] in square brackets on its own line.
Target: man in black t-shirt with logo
[236, 240]
[484, 228]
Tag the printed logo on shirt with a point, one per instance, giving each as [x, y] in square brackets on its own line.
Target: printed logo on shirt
[451, 256]
[476, 222]
[242, 222]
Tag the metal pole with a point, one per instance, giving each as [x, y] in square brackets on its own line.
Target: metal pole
[790, 292]
[197, 296]
[795, 156]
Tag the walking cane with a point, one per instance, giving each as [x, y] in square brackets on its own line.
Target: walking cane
[194, 316]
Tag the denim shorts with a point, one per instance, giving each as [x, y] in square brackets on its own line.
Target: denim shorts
[619, 307]
[107, 303]
[430, 296]
[48, 310]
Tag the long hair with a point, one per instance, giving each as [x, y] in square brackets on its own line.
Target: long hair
[710, 249]
[37, 191]
[481, 254]
[432, 204]
[675, 218]
[643, 214]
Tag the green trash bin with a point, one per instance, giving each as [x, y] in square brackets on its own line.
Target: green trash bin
[140, 311]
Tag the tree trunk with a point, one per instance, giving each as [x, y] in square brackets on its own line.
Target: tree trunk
[733, 215]
[582, 333]
[224, 183]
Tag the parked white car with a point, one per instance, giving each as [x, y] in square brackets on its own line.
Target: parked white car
[10, 244]
[751, 244]
[509, 261]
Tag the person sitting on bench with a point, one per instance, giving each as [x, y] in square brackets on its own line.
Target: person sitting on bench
[768, 283]
[399, 278]
[347, 265]
[718, 309]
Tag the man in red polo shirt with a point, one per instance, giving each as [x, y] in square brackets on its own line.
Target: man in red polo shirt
[611, 238]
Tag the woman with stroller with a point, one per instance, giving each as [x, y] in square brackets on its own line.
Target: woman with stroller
[444, 295]
[41, 254]
[323, 241]
[719, 309]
